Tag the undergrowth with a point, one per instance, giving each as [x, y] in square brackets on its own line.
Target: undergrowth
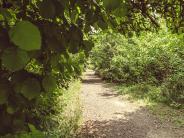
[59, 113]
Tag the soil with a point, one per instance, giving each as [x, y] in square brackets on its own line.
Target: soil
[108, 115]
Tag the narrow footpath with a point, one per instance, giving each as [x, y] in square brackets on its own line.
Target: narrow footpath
[108, 115]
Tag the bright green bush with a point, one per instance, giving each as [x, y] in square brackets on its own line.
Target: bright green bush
[142, 91]
[173, 88]
[152, 58]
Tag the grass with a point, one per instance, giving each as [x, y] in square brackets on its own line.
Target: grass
[151, 97]
[70, 116]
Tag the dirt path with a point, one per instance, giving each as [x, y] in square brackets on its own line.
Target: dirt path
[107, 115]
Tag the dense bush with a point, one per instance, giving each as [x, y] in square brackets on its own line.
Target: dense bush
[154, 58]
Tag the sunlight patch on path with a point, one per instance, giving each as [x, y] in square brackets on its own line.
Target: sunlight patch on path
[108, 115]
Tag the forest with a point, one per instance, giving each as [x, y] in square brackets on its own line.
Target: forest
[46, 46]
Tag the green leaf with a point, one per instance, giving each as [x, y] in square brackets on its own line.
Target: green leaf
[121, 11]
[19, 125]
[26, 36]
[5, 13]
[31, 88]
[111, 4]
[3, 97]
[10, 110]
[102, 24]
[55, 59]
[47, 9]
[32, 128]
[4, 91]
[88, 45]
[14, 59]
[49, 83]
[75, 39]
[17, 79]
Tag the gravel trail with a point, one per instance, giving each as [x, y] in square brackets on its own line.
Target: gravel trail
[108, 115]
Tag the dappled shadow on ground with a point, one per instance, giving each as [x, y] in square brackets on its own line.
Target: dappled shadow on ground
[91, 74]
[91, 79]
[126, 125]
[108, 115]
[109, 95]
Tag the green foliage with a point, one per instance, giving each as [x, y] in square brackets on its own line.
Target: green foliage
[70, 118]
[4, 91]
[59, 112]
[14, 59]
[41, 50]
[26, 36]
[32, 134]
[49, 83]
[142, 59]
[41, 38]
[31, 88]
[111, 4]
[143, 91]
[173, 89]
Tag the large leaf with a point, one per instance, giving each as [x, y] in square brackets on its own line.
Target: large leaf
[49, 83]
[4, 91]
[10, 110]
[31, 88]
[26, 36]
[3, 96]
[111, 4]
[75, 39]
[47, 9]
[121, 11]
[17, 80]
[14, 59]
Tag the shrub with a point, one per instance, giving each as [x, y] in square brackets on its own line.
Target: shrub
[152, 58]
[173, 89]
